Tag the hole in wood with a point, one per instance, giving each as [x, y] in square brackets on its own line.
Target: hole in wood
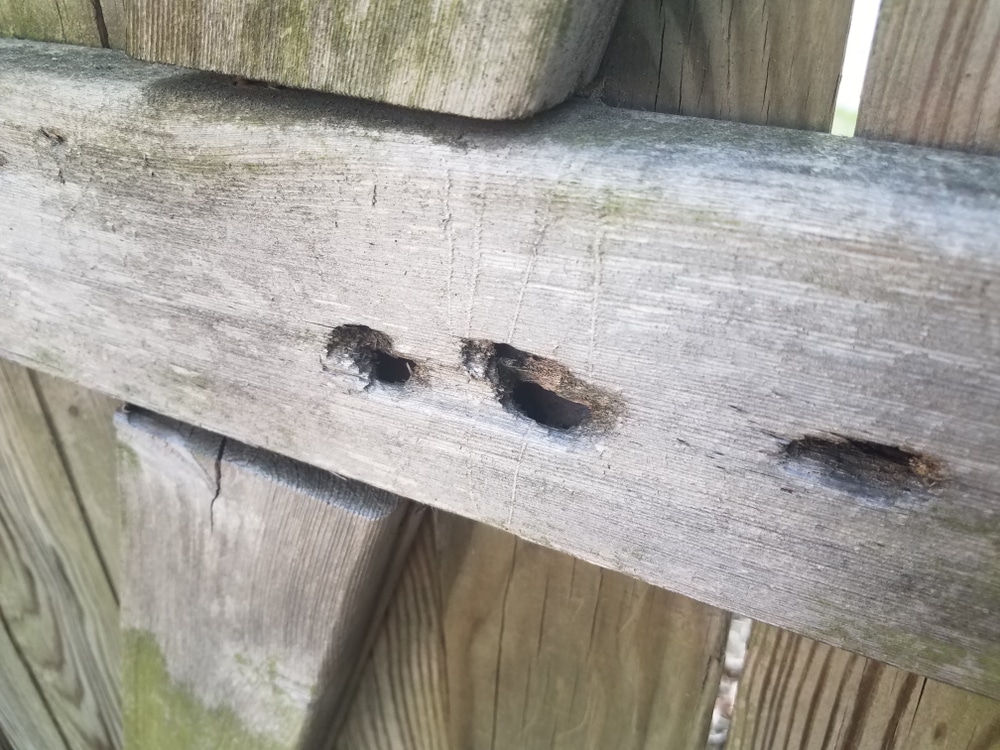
[874, 472]
[537, 387]
[368, 354]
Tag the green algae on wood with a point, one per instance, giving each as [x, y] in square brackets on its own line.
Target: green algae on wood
[161, 714]
[248, 628]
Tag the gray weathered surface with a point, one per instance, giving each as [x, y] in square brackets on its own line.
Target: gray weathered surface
[766, 62]
[495, 59]
[251, 582]
[733, 289]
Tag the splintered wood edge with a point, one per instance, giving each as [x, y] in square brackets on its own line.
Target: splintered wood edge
[726, 284]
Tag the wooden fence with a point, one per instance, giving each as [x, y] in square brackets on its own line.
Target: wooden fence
[754, 366]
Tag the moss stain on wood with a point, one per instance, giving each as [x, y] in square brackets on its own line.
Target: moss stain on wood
[166, 715]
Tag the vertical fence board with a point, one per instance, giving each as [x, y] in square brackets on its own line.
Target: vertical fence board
[56, 601]
[402, 699]
[251, 585]
[67, 21]
[494, 642]
[798, 693]
[767, 62]
[25, 719]
[495, 59]
[81, 422]
[934, 75]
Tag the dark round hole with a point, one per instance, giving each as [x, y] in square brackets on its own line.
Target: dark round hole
[388, 368]
[548, 408]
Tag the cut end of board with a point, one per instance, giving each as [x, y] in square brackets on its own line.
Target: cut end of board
[489, 60]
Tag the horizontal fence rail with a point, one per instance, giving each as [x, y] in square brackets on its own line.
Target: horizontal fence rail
[755, 366]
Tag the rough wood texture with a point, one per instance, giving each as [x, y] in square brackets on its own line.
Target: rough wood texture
[80, 421]
[251, 585]
[934, 75]
[495, 59]
[57, 606]
[766, 62]
[494, 642]
[90, 22]
[727, 299]
[802, 695]
[933, 79]
[25, 719]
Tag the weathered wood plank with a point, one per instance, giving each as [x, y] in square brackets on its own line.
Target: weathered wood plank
[25, 720]
[720, 292]
[659, 46]
[251, 583]
[934, 75]
[68, 21]
[114, 13]
[766, 62]
[797, 693]
[482, 58]
[56, 603]
[80, 421]
[493, 642]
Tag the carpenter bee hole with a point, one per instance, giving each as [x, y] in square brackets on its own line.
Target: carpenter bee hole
[536, 387]
[874, 472]
[367, 354]
[547, 407]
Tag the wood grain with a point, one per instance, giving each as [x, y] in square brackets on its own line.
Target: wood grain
[251, 584]
[928, 81]
[934, 75]
[738, 295]
[494, 59]
[799, 694]
[68, 21]
[493, 642]
[766, 62]
[80, 421]
[25, 719]
[57, 605]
